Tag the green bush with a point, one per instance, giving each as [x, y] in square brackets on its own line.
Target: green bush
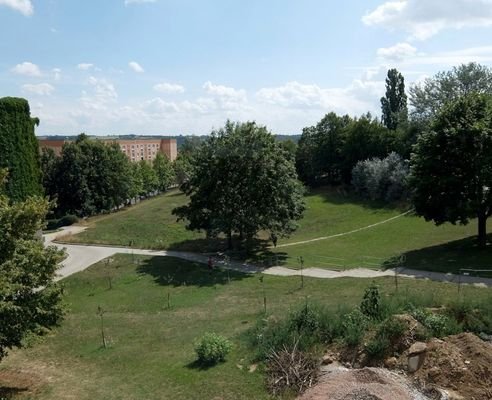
[392, 329]
[68, 220]
[378, 347]
[354, 325]
[387, 336]
[212, 348]
[371, 303]
[472, 317]
[438, 325]
[52, 224]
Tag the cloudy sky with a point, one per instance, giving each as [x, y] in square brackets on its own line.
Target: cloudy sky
[185, 66]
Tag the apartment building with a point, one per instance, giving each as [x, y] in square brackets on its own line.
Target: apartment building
[135, 150]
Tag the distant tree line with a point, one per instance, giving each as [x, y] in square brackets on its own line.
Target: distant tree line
[91, 177]
[444, 136]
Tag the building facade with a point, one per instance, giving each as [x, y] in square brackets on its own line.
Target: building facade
[135, 150]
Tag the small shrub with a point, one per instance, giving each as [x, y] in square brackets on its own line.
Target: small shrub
[354, 326]
[52, 224]
[378, 347]
[212, 348]
[371, 303]
[305, 320]
[68, 220]
[438, 325]
[392, 329]
[472, 317]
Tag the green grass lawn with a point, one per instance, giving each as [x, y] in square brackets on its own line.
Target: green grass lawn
[150, 224]
[151, 354]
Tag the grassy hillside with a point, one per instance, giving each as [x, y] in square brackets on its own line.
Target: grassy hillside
[151, 347]
[329, 212]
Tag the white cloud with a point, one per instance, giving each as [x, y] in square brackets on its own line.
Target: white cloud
[128, 2]
[85, 66]
[56, 73]
[158, 107]
[426, 18]
[354, 99]
[481, 54]
[25, 7]
[135, 66]
[41, 89]
[166, 87]
[103, 93]
[398, 52]
[27, 68]
[225, 97]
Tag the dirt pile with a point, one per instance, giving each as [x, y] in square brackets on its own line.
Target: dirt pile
[361, 384]
[460, 363]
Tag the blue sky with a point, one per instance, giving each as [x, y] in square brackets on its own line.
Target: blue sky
[183, 66]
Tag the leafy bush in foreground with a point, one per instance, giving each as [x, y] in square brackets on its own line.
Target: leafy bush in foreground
[212, 348]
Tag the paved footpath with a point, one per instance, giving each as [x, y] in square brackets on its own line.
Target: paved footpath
[81, 257]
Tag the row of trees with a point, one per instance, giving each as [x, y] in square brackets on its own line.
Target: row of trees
[328, 151]
[92, 177]
[445, 136]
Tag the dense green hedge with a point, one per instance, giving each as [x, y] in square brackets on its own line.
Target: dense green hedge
[19, 148]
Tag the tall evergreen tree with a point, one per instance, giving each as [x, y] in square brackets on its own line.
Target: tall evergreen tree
[19, 149]
[394, 104]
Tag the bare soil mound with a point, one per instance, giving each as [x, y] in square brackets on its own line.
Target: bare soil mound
[362, 384]
[461, 363]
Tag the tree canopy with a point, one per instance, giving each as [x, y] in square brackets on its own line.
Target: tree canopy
[25, 267]
[19, 148]
[431, 95]
[242, 181]
[394, 103]
[328, 151]
[451, 169]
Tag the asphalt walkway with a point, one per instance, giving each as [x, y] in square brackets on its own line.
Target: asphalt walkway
[80, 257]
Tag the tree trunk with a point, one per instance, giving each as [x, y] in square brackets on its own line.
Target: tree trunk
[229, 240]
[482, 230]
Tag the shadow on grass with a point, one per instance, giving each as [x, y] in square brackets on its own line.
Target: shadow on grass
[200, 366]
[257, 251]
[11, 392]
[167, 271]
[340, 195]
[201, 245]
[448, 257]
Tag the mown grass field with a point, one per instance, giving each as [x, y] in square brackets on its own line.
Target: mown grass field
[151, 347]
[150, 224]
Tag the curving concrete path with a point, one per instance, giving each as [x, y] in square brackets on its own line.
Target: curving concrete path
[80, 257]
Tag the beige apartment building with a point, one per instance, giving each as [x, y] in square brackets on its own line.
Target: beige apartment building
[135, 150]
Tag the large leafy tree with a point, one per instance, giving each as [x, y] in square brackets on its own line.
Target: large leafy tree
[26, 266]
[182, 165]
[431, 95]
[19, 148]
[89, 177]
[451, 169]
[319, 153]
[163, 171]
[364, 138]
[394, 103]
[149, 178]
[242, 182]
